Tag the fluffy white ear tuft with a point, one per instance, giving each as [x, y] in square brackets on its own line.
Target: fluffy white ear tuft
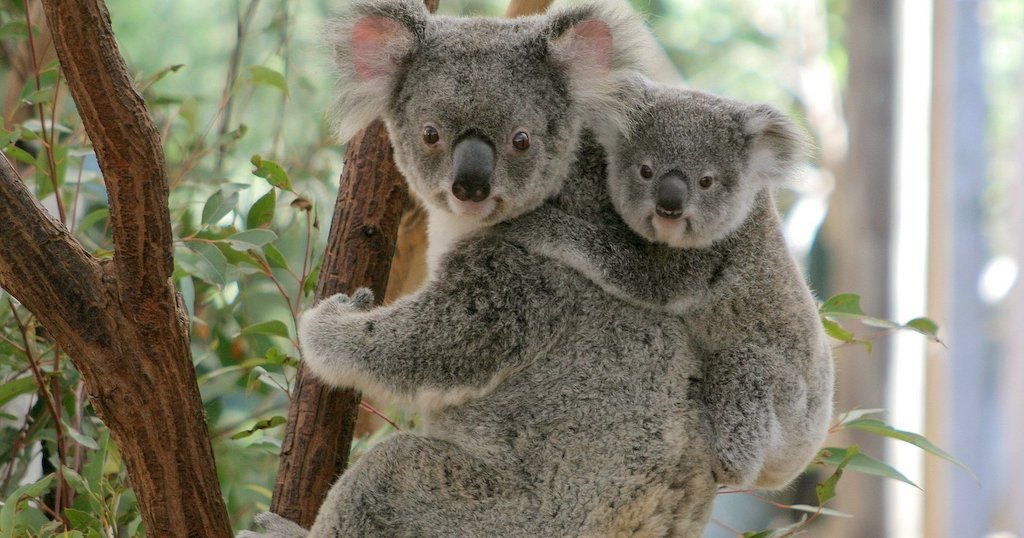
[375, 40]
[777, 146]
[600, 47]
[368, 45]
[585, 51]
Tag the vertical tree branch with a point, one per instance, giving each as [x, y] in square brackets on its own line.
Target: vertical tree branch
[128, 149]
[122, 324]
[361, 244]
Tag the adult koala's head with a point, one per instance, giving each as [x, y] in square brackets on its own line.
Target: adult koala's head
[689, 172]
[483, 113]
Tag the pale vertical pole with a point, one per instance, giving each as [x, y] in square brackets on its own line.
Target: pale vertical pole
[940, 274]
[909, 261]
[972, 366]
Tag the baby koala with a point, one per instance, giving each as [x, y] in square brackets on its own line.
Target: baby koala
[691, 229]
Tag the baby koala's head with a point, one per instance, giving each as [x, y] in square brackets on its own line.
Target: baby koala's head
[689, 172]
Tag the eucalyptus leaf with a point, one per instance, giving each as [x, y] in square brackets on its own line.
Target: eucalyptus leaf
[261, 214]
[81, 438]
[272, 328]
[272, 172]
[878, 427]
[855, 414]
[827, 489]
[262, 75]
[16, 387]
[862, 463]
[260, 425]
[251, 239]
[275, 258]
[842, 304]
[218, 205]
[28, 491]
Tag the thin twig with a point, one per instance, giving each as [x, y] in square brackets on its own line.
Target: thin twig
[241, 29]
[366, 405]
[50, 403]
[47, 141]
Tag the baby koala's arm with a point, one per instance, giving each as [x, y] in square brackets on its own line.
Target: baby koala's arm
[738, 394]
[615, 258]
[455, 339]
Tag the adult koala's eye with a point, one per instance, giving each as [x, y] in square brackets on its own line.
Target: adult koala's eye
[705, 182]
[521, 140]
[430, 134]
[646, 171]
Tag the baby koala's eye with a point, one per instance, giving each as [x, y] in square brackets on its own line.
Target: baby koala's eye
[705, 182]
[430, 134]
[646, 171]
[521, 140]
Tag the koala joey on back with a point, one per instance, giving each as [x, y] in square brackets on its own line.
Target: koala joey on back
[690, 227]
[549, 407]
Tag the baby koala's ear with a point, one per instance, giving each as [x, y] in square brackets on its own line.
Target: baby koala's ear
[777, 145]
[368, 45]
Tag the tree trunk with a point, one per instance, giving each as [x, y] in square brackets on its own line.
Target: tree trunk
[359, 250]
[120, 321]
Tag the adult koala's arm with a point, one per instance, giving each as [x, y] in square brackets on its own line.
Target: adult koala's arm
[453, 340]
[618, 260]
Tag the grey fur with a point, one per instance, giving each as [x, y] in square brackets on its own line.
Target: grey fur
[550, 408]
[768, 378]
[488, 76]
[275, 526]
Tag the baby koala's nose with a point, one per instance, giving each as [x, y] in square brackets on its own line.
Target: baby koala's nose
[671, 194]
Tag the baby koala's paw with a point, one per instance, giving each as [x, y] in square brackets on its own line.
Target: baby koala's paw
[274, 526]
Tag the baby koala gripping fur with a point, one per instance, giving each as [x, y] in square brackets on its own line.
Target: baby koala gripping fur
[549, 407]
[694, 181]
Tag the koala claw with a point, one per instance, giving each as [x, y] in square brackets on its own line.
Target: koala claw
[274, 526]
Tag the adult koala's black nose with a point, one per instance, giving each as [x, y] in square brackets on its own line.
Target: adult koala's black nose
[474, 163]
[671, 195]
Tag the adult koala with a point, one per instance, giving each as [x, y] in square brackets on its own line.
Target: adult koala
[550, 408]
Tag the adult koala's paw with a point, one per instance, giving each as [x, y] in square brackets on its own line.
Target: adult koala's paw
[360, 301]
[274, 526]
[330, 334]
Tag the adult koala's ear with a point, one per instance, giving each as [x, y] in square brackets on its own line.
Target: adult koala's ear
[369, 44]
[600, 48]
[777, 145]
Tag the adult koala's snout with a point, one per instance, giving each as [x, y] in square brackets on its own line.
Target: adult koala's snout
[473, 164]
[672, 192]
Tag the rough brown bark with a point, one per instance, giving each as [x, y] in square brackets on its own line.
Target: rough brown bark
[121, 322]
[360, 246]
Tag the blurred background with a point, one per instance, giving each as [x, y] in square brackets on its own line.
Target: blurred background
[912, 200]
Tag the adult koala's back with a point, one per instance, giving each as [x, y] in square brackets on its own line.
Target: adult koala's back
[484, 113]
